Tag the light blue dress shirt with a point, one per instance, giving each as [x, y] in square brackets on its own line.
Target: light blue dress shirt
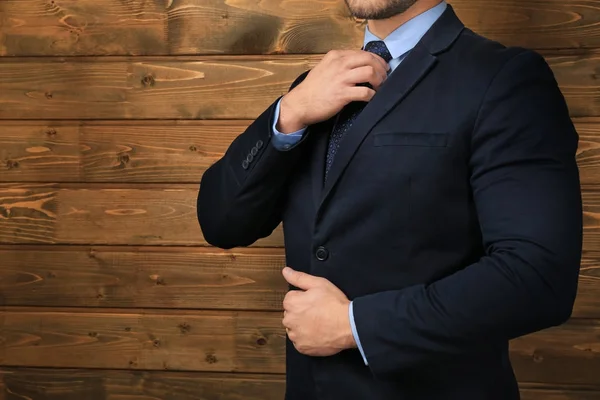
[399, 44]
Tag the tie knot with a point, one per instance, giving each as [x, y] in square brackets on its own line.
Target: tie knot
[378, 47]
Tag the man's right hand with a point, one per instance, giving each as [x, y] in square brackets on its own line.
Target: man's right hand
[329, 86]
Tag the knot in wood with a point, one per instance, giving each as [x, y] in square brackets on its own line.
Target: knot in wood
[48, 95]
[123, 158]
[10, 164]
[51, 132]
[184, 328]
[148, 80]
[211, 359]
[261, 341]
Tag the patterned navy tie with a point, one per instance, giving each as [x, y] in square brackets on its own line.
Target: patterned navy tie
[351, 111]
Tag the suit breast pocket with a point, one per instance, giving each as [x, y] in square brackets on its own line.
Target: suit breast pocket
[415, 139]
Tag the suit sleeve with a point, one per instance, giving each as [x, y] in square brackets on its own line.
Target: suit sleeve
[241, 195]
[525, 186]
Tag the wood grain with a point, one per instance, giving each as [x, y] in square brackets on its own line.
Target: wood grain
[591, 219]
[44, 384]
[69, 384]
[588, 152]
[533, 391]
[146, 215]
[163, 277]
[587, 303]
[569, 354]
[138, 27]
[227, 341]
[200, 278]
[172, 151]
[201, 87]
[77, 384]
[186, 341]
[149, 151]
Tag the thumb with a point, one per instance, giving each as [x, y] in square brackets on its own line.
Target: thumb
[301, 280]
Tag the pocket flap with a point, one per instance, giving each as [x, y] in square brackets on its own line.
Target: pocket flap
[411, 139]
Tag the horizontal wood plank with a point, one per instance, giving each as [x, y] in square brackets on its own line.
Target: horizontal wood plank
[145, 89]
[138, 27]
[555, 392]
[78, 384]
[147, 215]
[200, 278]
[192, 341]
[69, 384]
[172, 151]
[149, 151]
[148, 277]
[237, 342]
[200, 88]
[568, 354]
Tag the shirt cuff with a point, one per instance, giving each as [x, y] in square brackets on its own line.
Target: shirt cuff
[355, 333]
[282, 141]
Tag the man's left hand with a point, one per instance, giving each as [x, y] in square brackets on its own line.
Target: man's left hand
[316, 317]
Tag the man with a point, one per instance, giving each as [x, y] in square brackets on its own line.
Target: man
[431, 209]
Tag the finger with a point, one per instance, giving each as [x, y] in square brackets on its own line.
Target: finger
[291, 298]
[337, 55]
[356, 59]
[384, 64]
[366, 74]
[362, 58]
[301, 280]
[293, 337]
[359, 93]
[288, 324]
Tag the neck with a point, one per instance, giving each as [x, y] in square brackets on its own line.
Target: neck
[383, 27]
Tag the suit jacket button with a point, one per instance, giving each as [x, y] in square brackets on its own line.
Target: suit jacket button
[259, 144]
[254, 151]
[245, 164]
[250, 158]
[322, 253]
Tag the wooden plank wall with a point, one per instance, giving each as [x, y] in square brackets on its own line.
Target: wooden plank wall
[111, 110]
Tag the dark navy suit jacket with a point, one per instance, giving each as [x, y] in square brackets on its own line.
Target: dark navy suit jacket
[451, 216]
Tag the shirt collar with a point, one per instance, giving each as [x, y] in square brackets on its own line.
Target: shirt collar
[407, 35]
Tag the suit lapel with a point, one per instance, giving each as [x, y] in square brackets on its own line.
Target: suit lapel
[399, 84]
[414, 67]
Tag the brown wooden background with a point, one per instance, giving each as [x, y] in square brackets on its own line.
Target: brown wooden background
[110, 111]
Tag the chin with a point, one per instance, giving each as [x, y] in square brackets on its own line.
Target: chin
[378, 9]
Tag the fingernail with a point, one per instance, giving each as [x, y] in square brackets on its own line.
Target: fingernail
[287, 271]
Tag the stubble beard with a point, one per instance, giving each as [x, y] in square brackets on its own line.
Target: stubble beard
[374, 12]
